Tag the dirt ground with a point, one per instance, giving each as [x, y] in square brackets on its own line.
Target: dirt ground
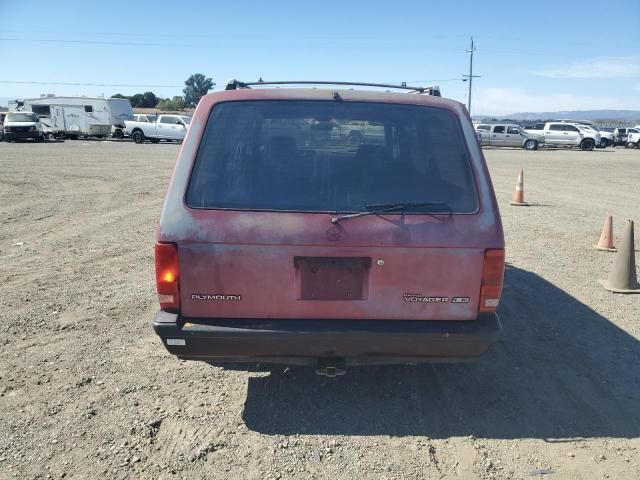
[88, 391]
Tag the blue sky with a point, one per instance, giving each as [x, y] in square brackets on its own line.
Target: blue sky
[532, 56]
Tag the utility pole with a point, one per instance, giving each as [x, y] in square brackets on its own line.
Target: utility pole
[471, 76]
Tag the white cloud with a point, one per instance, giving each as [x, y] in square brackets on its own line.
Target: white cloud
[611, 67]
[505, 100]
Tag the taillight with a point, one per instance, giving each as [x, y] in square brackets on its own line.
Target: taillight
[492, 278]
[167, 276]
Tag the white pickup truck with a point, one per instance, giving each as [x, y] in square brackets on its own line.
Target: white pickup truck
[166, 127]
[561, 134]
[633, 139]
[606, 138]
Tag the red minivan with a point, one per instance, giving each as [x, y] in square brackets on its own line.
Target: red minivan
[329, 227]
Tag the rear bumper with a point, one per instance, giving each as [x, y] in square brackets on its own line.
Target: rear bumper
[304, 342]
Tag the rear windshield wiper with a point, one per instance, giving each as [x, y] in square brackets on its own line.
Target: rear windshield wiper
[377, 209]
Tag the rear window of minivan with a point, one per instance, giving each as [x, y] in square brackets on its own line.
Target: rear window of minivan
[320, 156]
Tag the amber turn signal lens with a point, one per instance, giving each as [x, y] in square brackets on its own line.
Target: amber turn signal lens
[167, 276]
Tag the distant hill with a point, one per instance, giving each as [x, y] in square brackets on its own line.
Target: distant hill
[570, 115]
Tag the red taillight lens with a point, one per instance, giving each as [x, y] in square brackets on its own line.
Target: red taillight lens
[167, 276]
[492, 278]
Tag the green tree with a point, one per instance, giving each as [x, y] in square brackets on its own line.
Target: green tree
[136, 100]
[149, 100]
[140, 100]
[197, 86]
[171, 104]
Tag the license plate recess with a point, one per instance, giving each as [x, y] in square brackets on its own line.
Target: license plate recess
[332, 278]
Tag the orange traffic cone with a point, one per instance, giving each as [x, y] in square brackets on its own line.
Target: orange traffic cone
[518, 196]
[606, 237]
[622, 278]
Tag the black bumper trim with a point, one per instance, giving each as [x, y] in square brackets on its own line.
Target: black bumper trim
[305, 341]
[21, 135]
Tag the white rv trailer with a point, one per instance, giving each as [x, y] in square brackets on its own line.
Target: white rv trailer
[77, 117]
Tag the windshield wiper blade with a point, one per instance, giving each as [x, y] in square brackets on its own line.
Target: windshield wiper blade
[377, 209]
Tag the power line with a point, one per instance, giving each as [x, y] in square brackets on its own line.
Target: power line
[107, 42]
[82, 84]
[260, 36]
[232, 46]
[19, 82]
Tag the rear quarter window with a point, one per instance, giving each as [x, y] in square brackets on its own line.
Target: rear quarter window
[326, 156]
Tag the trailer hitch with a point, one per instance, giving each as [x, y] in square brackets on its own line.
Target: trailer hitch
[331, 367]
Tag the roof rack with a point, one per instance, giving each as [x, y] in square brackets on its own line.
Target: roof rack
[434, 90]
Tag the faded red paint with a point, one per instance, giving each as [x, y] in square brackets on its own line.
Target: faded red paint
[252, 254]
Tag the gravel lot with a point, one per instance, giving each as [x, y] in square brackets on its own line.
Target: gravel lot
[88, 391]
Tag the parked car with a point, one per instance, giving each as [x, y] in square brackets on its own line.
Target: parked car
[561, 134]
[274, 249]
[633, 139]
[165, 127]
[359, 131]
[506, 135]
[606, 138]
[588, 130]
[120, 133]
[620, 135]
[22, 125]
